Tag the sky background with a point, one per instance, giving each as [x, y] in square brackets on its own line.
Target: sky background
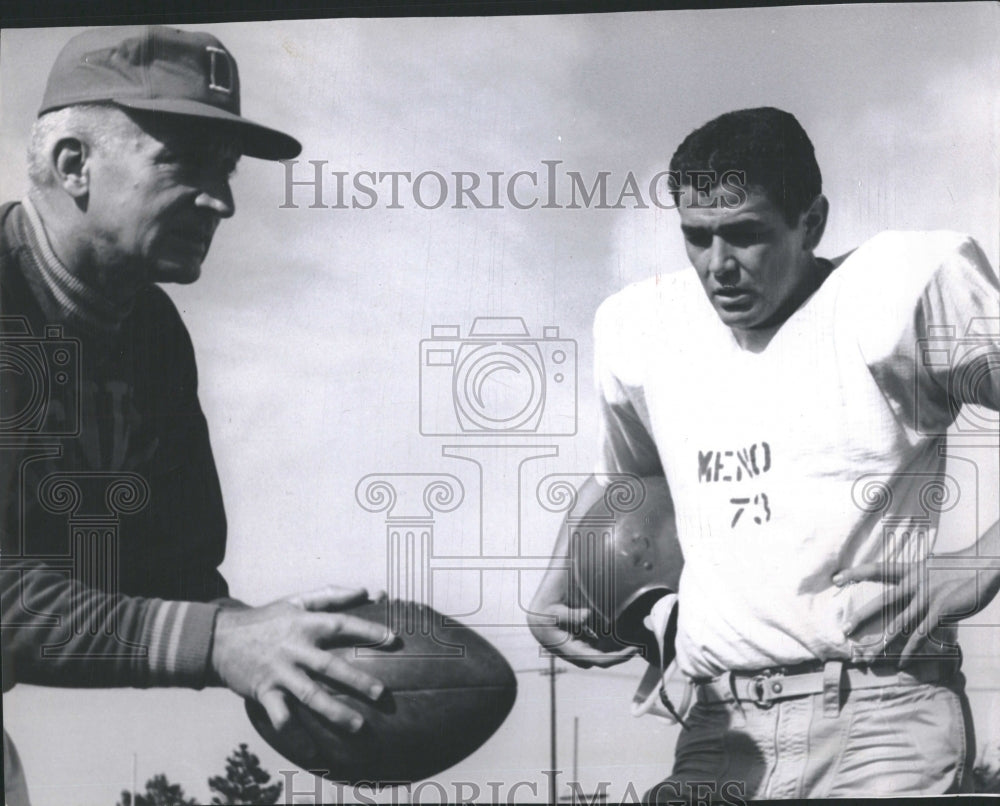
[307, 322]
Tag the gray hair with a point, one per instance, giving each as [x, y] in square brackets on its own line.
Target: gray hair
[102, 126]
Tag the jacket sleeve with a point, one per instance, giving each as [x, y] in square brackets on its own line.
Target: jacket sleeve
[57, 631]
[76, 613]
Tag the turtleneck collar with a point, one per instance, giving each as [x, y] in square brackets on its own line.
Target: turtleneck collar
[80, 302]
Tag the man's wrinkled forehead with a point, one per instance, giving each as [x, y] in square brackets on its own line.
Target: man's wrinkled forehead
[730, 199]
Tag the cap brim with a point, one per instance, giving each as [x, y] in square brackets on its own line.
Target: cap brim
[255, 140]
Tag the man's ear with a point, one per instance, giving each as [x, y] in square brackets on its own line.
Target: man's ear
[814, 220]
[69, 165]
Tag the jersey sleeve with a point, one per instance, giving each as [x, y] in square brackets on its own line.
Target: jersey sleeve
[960, 350]
[625, 444]
[931, 329]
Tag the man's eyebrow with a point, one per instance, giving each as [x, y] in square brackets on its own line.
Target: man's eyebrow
[743, 224]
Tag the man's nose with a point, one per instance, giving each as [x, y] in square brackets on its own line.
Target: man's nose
[721, 262]
[217, 196]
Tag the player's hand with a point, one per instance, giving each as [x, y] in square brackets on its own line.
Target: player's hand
[276, 655]
[918, 600]
[563, 629]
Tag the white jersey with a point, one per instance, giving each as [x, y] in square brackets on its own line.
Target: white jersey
[816, 453]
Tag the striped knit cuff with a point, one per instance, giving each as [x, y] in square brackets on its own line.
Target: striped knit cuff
[179, 638]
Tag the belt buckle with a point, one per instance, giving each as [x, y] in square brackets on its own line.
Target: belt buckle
[758, 691]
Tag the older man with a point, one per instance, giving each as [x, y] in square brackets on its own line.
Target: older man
[113, 521]
[789, 402]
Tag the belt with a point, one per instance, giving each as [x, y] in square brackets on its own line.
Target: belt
[767, 686]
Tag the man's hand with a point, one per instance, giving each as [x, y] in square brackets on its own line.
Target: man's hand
[563, 629]
[276, 655]
[922, 599]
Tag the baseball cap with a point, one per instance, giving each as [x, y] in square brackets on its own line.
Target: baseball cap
[160, 69]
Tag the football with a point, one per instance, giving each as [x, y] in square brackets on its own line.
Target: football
[447, 690]
[625, 555]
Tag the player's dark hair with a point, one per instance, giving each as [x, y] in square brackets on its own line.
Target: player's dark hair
[766, 145]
